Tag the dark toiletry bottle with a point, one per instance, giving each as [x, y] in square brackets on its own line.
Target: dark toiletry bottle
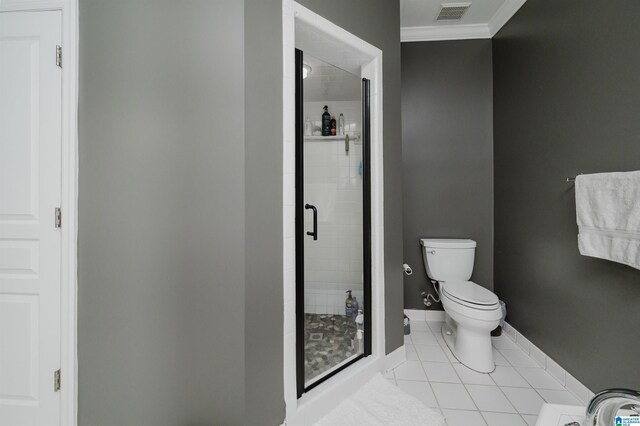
[334, 127]
[348, 309]
[326, 122]
[354, 307]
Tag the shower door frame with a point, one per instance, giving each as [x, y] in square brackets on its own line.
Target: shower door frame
[300, 233]
[305, 29]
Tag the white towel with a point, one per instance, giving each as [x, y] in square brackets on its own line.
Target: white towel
[379, 403]
[608, 214]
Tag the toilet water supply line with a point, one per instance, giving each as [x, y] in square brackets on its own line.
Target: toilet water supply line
[428, 297]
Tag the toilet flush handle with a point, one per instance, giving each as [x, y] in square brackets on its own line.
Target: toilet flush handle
[431, 252]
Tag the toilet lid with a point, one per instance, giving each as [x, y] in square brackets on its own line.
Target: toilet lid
[469, 292]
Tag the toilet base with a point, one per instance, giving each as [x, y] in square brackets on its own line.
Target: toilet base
[471, 348]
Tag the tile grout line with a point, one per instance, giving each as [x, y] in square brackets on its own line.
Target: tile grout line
[510, 329]
[480, 412]
[456, 373]
[524, 346]
[508, 400]
[429, 384]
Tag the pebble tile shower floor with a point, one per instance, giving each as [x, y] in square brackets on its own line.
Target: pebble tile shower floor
[511, 396]
[328, 340]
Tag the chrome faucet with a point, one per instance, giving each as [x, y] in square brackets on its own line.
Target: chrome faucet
[604, 406]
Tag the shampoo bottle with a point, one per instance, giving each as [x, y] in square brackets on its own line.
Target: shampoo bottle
[326, 122]
[360, 330]
[354, 307]
[308, 128]
[348, 305]
[341, 124]
[333, 125]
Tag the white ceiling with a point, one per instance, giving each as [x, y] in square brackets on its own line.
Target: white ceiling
[483, 19]
[420, 13]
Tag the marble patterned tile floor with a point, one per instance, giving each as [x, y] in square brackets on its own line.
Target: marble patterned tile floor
[512, 395]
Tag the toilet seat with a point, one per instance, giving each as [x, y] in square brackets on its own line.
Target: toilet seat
[470, 294]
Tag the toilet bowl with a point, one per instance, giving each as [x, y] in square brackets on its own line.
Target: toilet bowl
[469, 321]
[471, 311]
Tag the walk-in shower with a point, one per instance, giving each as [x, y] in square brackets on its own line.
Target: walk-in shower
[333, 240]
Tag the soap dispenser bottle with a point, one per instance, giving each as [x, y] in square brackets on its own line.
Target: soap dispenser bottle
[326, 122]
[348, 305]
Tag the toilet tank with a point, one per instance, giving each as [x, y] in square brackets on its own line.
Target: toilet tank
[448, 259]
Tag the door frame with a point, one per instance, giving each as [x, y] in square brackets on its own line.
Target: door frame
[319, 400]
[300, 235]
[69, 197]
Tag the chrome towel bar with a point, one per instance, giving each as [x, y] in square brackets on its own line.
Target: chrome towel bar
[572, 179]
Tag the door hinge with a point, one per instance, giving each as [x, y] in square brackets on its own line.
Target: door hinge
[58, 217]
[59, 56]
[56, 381]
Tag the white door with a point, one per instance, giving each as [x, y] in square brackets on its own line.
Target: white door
[30, 186]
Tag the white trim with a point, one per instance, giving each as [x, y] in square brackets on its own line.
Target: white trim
[415, 314]
[69, 197]
[463, 31]
[395, 358]
[315, 403]
[425, 315]
[33, 5]
[573, 385]
[69, 303]
[502, 16]
[445, 32]
[437, 316]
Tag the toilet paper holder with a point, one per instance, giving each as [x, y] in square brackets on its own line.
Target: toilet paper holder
[407, 269]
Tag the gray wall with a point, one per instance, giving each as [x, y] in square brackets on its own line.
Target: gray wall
[180, 310]
[264, 383]
[161, 210]
[378, 22]
[447, 151]
[566, 101]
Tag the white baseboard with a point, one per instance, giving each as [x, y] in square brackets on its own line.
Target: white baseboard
[434, 315]
[572, 384]
[395, 358]
[424, 315]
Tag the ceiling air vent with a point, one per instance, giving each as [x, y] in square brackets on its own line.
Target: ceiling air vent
[452, 11]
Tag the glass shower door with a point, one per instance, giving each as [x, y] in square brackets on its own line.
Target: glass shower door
[332, 221]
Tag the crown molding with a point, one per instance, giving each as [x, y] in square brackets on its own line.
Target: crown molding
[445, 32]
[504, 13]
[463, 31]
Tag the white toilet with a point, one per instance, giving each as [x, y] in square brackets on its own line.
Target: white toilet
[471, 311]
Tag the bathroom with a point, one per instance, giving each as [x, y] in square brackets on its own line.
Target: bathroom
[175, 219]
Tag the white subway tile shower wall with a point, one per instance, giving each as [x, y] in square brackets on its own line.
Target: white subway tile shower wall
[324, 300]
[333, 263]
[351, 110]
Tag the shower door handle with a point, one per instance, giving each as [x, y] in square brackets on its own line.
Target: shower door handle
[314, 234]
